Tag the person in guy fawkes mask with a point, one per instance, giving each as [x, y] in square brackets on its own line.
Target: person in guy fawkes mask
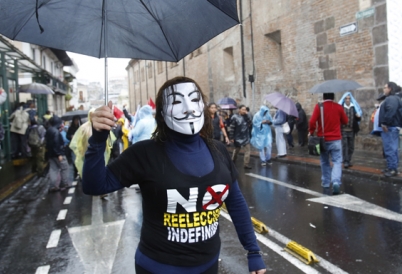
[183, 175]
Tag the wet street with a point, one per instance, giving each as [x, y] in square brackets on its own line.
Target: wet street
[359, 231]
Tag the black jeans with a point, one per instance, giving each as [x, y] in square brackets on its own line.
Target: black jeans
[212, 270]
[348, 145]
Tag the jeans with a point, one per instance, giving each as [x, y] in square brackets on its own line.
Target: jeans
[390, 144]
[333, 148]
[348, 145]
[280, 141]
[55, 168]
[289, 138]
[265, 153]
[246, 154]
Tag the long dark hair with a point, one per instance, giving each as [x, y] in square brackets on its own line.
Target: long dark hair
[160, 133]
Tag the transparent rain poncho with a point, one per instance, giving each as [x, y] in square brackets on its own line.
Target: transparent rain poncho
[79, 144]
[261, 135]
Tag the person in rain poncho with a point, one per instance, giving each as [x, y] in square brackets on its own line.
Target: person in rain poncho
[144, 127]
[261, 135]
[79, 144]
[125, 132]
[354, 113]
[278, 121]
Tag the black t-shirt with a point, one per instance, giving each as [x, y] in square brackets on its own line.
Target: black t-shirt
[181, 212]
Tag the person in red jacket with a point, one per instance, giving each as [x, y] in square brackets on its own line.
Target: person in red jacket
[334, 117]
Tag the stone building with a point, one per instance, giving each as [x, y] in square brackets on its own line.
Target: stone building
[289, 46]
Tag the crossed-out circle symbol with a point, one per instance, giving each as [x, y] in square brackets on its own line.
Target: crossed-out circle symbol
[213, 199]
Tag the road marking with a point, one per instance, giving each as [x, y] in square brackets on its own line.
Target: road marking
[97, 243]
[67, 201]
[62, 214]
[74, 183]
[276, 248]
[305, 190]
[54, 238]
[344, 201]
[353, 203]
[43, 269]
[71, 190]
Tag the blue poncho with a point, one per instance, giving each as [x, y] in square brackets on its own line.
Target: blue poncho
[261, 135]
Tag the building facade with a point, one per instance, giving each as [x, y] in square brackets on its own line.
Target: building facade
[289, 46]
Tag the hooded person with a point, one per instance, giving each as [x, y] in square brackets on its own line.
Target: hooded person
[145, 125]
[301, 125]
[261, 135]
[180, 159]
[349, 131]
[58, 164]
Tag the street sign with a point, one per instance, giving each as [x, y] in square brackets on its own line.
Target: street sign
[365, 13]
[348, 29]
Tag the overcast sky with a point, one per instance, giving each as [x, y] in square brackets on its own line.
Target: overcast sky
[92, 69]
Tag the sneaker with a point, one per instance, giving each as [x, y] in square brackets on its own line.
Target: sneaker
[391, 173]
[269, 162]
[247, 167]
[385, 170]
[263, 164]
[335, 189]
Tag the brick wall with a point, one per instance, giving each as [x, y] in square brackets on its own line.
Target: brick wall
[289, 46]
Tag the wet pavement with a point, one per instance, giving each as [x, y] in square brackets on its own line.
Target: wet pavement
[358, 231]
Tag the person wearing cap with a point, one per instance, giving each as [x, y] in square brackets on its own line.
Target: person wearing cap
[390, 120]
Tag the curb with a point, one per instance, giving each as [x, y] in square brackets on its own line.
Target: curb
[356, 170]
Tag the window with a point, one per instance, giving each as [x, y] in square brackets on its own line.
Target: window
[33, 55]
[173, 64]
[149, 70]
[160, 67]
[228, 63]
[273, 51]
[44, 62]
[52, 67]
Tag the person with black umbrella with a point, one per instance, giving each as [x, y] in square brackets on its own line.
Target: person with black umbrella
[184, 176]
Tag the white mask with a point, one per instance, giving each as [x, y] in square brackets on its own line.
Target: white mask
[183, 110]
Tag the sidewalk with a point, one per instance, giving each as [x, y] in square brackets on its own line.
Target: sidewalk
[365, 164]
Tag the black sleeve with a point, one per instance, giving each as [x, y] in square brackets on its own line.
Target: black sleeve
[70, 133]
[127, 115]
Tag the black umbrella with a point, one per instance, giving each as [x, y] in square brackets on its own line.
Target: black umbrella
[35, 88]
[333, 86]
[68, 116]
[140, 29]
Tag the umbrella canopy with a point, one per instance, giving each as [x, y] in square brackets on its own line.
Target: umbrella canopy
[35, 88]
[333, 86]
[227, 101]
[283, 103]
[68, 116]
[141, 29]
[230, 106]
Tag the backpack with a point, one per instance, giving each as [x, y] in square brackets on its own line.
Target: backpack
[34, 138]
[19, 119]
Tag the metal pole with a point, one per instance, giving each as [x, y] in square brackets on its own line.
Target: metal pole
[105, 49]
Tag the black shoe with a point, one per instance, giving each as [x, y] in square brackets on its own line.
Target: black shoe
[385, 170]
[350, 165]
[54, 189]
[336, 189]
[247, 167]
[269, 162]
[346, 165]
[391, 173]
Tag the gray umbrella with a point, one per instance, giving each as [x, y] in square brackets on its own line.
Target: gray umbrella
[35, 88]
[140, 29]
[333, 86]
